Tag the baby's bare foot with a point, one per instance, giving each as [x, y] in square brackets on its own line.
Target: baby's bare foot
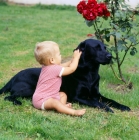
[69, 105]
[79, 112]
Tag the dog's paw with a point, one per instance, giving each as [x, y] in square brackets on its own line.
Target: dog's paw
[125, 108]
[16, 102]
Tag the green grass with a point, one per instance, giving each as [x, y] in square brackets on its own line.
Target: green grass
[20, 29]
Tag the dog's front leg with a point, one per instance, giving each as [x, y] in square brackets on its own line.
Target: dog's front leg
[114, 104]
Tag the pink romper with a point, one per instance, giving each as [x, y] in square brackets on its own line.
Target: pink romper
[48, 85]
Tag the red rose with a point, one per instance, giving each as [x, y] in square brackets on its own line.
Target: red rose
[107, 13]
[92, 2]
[89, 14]
[81, 6]
[102, 10]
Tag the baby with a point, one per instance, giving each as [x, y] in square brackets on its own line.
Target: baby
[47, 95]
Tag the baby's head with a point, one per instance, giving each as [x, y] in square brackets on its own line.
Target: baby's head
[45, 51]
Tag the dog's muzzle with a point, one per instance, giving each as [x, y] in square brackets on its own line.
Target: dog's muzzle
[109, 56]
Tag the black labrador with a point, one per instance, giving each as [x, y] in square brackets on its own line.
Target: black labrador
[82, 86]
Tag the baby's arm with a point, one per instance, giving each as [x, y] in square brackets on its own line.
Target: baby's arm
[74, 63]
[66, 64]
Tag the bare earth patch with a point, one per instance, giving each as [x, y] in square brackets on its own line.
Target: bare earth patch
[119, 88]
[133, 70]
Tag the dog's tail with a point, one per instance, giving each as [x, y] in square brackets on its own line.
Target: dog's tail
[6, 87]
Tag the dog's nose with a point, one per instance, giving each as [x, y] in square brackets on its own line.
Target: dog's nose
[109, 56]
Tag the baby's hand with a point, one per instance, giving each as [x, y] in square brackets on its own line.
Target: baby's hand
[77, 54]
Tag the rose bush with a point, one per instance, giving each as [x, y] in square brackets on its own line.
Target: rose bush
[113, 21]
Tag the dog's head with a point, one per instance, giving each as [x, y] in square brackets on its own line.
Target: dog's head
[94, 51]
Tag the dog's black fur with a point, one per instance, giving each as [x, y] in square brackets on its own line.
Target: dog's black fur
[82, 86]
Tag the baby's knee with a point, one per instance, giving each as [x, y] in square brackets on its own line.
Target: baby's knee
[63, 94]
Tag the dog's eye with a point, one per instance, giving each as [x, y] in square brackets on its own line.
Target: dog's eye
[98, 48]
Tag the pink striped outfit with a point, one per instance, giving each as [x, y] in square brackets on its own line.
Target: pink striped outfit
[48, 85]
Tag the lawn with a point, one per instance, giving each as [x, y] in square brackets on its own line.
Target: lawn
[21, 27]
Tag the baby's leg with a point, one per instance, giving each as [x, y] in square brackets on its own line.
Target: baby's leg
[68, 105]
[63, 99]
[59, 107]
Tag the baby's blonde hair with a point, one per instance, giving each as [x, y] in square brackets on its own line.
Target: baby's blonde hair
[44, 51]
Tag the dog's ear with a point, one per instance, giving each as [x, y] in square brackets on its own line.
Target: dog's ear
[85, 48]
[81, 46]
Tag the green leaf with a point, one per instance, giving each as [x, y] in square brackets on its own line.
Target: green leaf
[112, 33]
[121, 42]
[120, 45]
[102, 31]
[121, 48]
[113, 49]
[123, 29]
[107, 32]
[117, 14]
[132, 39]
[132, 52]
[89, 23]
[107, 38]
[114, 25]
[118, 35]
[134, 49]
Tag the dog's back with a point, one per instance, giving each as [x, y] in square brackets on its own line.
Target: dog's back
[7, 87]
[24, 79]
